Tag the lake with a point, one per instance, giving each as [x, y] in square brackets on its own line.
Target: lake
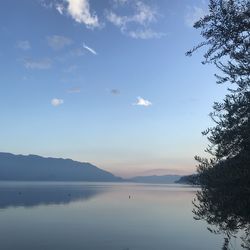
[106, 216]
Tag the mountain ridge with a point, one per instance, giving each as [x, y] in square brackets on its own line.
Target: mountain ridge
[38, 168]
[154, 179]
[31, 167]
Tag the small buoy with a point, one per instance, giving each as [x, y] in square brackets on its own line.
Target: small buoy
[129, 196]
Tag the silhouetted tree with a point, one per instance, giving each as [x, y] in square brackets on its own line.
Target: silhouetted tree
[226, 211]
[226, 29]
[223, 200]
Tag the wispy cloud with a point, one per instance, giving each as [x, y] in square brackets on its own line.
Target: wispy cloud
[89, 49]
[119, 21]
[136, 24]
[79, 10]
[60, 8]
[58, 42]
[45, 63]
[74, 90]
[73, 53]
[120, 1]
[76, 52]
[46, 3]
[23, 45]
[145, 34]
[56, 102]
[194, 13]
[143, 15]
[142, 102]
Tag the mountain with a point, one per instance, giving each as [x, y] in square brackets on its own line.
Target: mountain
[189, 179]
[161, 179]
[37, 168]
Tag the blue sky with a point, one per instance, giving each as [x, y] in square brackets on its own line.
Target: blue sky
[105, 82]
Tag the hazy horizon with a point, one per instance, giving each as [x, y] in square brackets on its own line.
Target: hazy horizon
[151, 172]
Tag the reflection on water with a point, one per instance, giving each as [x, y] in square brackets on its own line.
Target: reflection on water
[227, 211]
[34, 194]
[93, 216]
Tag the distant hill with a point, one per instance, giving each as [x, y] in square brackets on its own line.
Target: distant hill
[37, 168]
[161, 179]
[189, 179]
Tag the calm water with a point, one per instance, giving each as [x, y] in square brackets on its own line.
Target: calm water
[91, 216]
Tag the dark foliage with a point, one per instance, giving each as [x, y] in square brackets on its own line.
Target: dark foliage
[224, 198]
[189, 179]
[225, 210]
[226, 30]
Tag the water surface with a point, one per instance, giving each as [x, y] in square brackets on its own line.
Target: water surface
[91, 216]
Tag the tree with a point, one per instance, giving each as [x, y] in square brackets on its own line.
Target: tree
[226, 29]
[226, 211]
[223, 200]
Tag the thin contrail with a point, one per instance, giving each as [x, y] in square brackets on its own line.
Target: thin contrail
[89, 49]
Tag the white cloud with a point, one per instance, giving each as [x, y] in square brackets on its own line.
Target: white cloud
[142, 102]
[37, 64]
[79, 10]
[194, 14]
[145, 34]
[24, 45]
[143, 15]
[89, 49]
[56, 102]
[58, 42]
[119, 21]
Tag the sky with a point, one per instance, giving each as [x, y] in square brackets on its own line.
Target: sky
[106, 82]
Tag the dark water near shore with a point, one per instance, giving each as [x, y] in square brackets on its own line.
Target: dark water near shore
[91, 216]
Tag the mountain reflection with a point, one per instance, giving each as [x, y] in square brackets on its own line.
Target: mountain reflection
[227, 211]
[29, 195]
